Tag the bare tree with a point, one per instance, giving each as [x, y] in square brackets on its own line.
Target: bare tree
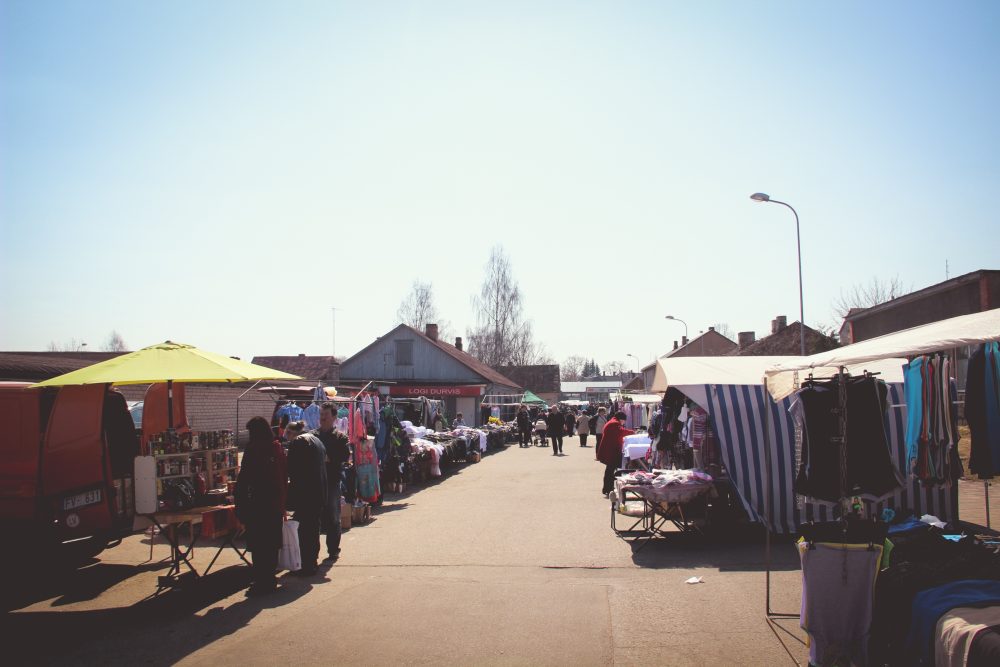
[115, 343]
[724, 329]
[72, 345]
[571, 367]
[418, 310]
[501, 336]
[867, 295]
[614, 368]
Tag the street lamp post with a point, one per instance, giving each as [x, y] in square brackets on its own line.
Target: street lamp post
[629, 354]
[677, 319]
[761, 197]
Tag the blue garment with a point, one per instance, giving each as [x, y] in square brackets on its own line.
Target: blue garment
[311, 416]
[908, 525]
[913, 388]
[930, 605]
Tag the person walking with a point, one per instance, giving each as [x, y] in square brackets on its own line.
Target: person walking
[570, 423]
[609, 451]
[599, 421]
[339, 458]
[554, 423]
[523, 419]
[260, 502]
[307, 491]
[583, 428]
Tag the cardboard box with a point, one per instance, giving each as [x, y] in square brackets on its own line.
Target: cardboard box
[345, 515]
[218, 522]
[361, 514]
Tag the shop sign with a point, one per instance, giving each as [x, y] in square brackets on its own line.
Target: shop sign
[459, 390]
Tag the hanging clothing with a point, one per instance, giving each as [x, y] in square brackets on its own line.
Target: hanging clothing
[869, 468]
[311, 416]
[982, 409]
[838, 589]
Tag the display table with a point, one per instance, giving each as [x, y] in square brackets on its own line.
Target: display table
[660, 502]
[169, 523]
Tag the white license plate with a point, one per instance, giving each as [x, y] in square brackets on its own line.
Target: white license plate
[82, 499]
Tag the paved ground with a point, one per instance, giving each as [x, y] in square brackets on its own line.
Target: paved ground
[509, 561]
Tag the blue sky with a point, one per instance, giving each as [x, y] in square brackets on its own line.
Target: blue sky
[223, 173]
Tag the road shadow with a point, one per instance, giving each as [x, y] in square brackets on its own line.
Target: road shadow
[160, 629]
[25, 586]
[736, 551]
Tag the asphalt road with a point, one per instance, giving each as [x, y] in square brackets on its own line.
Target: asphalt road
[509, 561]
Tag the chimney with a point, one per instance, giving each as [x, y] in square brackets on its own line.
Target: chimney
[301, 355]
[432, 331]
[684, 340]
[711, 328]
[782, 322]
[746, 338]
[458, 342]
[675, 345]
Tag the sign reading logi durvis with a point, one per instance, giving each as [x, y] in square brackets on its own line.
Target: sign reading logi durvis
[431, 390]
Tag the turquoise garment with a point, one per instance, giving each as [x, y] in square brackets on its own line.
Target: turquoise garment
[913, 388]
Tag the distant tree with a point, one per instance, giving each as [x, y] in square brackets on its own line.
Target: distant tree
[417, 309]
[501, 336]
[867, 295]
[571, 368]
[590, 369]
[614, 368]
[726, 330]
[72, 345]
[114, 343]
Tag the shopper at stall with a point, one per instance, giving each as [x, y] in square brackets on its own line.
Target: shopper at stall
[339, 458]
[554, 423]
[307, 491]
[583, 428]
[458, 421]
[523, 419]
[599, 421]
[260, 502]
[609, 449]
[570, 420]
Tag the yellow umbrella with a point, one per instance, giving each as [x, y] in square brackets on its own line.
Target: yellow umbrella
[168, 362]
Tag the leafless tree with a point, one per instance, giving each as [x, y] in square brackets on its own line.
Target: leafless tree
[72, 345]
[115, 343]
[615, 367]
[418, 310]
[501, 336]
[726, 330]
[569, 370]
[867, 295]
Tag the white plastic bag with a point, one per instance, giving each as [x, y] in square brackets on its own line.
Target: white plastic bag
[290, 558]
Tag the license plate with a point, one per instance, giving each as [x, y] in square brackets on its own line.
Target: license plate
[82, 499]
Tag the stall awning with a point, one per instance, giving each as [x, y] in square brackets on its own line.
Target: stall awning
[532, 398]
[640, 398]
[954, 332]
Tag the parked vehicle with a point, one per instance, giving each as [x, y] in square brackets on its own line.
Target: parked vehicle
[66, 467]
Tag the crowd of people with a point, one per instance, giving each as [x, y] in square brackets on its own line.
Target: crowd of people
[307, 480]
[555, 424]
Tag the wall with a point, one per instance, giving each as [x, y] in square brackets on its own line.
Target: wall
[430, 364]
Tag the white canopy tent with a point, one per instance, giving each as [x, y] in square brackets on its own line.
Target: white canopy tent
[694, 373]
[960, 331]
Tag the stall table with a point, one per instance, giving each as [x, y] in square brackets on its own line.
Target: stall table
[169, 523]
[660, 504]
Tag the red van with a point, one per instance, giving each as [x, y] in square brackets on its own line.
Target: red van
[66, 466]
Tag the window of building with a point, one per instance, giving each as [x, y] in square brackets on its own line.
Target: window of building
[404, 352]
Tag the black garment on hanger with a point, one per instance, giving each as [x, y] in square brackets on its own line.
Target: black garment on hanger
[869, 466]
[980, 459]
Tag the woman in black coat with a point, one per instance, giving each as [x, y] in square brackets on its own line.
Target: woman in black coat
[260, 502]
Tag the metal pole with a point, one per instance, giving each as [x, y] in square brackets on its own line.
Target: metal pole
[986, 489]
[802, 316]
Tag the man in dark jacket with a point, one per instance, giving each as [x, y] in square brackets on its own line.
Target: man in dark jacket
[555, 423]
[338, 459]
[524, 426]
[307, 491]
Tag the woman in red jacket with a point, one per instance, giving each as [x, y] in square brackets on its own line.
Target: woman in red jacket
[260, 501]
[609, 451]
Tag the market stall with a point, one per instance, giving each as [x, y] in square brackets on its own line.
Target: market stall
[921, 589]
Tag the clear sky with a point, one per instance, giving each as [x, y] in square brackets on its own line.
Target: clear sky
[223, 173]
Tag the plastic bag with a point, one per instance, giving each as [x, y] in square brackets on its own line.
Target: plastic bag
[290, 558]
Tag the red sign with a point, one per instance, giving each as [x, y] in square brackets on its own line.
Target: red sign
[459, 390]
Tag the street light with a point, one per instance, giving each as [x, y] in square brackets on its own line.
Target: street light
[677, 319]
[629, 354]
[761, 197]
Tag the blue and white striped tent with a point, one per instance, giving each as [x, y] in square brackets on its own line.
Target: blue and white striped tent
[736, 407]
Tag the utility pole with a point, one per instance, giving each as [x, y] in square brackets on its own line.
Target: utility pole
[333, 311]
